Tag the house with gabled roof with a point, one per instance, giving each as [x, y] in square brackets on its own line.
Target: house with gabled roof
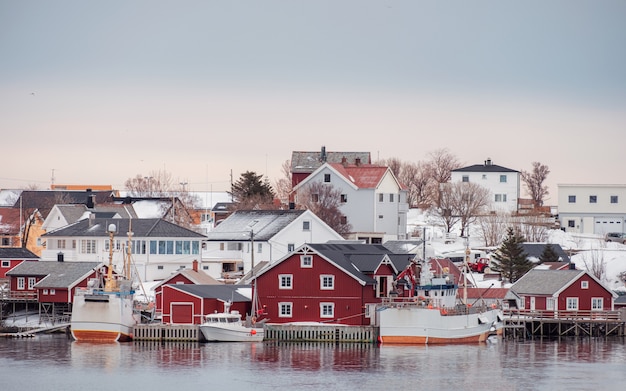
[373, 201]
[247, 237]
[563, 290]
[62, 215]
[158, 247]
[192, 276]
[303, 163]
[189, 304]
[19, 225]
[11, 257]
[328, 282]
[503, 183]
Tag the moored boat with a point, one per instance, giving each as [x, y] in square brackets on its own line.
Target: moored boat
[104, 311]
[227, 326]
[432, 313]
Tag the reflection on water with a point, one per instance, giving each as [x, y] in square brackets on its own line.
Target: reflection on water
[532, 365]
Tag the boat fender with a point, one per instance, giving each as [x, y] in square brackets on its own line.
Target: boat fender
[253, 320]
[252, 332]
[444, 311]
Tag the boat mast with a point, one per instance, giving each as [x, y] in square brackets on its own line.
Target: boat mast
[466, 269]
[109, 285]
[128, 249]
[254, 297]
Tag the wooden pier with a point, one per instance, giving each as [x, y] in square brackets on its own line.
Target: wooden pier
[321, 333]
[525, 324]
[167, 332]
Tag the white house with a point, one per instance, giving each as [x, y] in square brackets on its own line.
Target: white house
[158, 247]
[248, 237]
[503, 183]
[592, 209]
[373, 201]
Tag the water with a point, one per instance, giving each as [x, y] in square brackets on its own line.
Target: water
[54, 363]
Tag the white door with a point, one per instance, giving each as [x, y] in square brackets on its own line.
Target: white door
[532, 303]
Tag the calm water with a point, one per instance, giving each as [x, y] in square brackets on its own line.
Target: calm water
[54, 363]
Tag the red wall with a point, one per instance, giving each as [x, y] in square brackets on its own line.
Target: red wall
[585, 295]
[12, 264]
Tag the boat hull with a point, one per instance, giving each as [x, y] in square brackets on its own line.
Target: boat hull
[416, 325]
[103, 318]
[217, 333]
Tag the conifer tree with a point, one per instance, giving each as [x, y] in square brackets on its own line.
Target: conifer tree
[510, 259]
[548, 254]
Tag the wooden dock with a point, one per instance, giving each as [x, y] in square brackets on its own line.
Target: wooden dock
[526, 324]
[167, 332]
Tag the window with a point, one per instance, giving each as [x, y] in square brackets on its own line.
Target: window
[315, 197]
[306, 261]
[306, 225]
[572, 303]
[6, 241]
[550, 304]
[380, 217]
[260, 248]
[285, 310]
[285, 281]
[326, 178]
[53, 292]
[45, 291]
[160, 267]
[20, 283]
[484, 176]
[597, 303]
[327, 310]
[327, 282]
[502, 178]
[6, 263]
[593, 199]
[31, 282]
[343, 220]
[61, 243]
[391, 197]
[344, 198]
[291, 247]
[88, 246]
[571, 223]
[465, 178]
[571, 199]
[613, 199]
[381, 197]
[584, 285]
[500, 198]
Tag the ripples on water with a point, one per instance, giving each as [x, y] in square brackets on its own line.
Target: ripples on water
[54, 363]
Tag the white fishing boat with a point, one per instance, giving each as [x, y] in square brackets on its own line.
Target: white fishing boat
[104, 311]
[432, 313]
[227, 326]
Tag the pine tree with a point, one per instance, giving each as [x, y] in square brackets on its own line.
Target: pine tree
[510, 259]
[252, 192]
[548, 254]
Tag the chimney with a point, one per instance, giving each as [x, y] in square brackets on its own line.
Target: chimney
[323, 155]
[195, 265]
[357, 161]
[488, 162]
[344, 161]
[90, 199]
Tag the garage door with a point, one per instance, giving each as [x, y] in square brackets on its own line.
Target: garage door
[182, 313]
[607, 224]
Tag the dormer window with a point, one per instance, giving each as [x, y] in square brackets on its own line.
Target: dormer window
[306, 261]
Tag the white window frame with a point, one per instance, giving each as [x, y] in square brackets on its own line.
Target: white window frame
[306, 261]
[45, 291]
[21, 283]
[327, 310]
[465, 178]
[584, 285]
[597, 303]
[306, 225]
[285, 281]
[503, 178]
[381, 197]
[291, 247]
[285, 309]
[6, 263]
[571, 303]
[53, 292]
[327, 282]
[31, 283]
[550, 304]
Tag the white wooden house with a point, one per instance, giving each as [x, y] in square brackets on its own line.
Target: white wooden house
[248, 237]
[373, 201]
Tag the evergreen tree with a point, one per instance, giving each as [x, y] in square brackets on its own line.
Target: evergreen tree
[548, 254]
[251, 191]
[510, 259]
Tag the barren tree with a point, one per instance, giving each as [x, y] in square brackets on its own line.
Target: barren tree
[283, 184]
[447, 206]
[156, 184]
[462, 202]
[534, 182]
[492, 227]
[325, 202]
[534, 227]
[441, 164]
[594, 263]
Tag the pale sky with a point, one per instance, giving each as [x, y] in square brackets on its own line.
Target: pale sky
[100, 91]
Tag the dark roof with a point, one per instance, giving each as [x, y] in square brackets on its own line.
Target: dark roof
[141, 228]
[44, 200]
[265, 224]
[307, 162]
[58, 274]
[221, 292]
[536, 249]
[17, 253]
[488, 166]
[621, 300]
[545, 282]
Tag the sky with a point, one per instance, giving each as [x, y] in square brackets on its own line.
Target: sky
[98, 92]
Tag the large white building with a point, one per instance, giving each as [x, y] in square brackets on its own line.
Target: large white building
[592, 209]
[503, 183]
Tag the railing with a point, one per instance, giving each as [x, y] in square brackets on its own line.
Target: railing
[566, 315]
[18, 295]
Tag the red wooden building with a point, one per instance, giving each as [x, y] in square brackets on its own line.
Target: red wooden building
[184, 276]
[13, 256]
[563, 290]
[330, 283]
[188, 304]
